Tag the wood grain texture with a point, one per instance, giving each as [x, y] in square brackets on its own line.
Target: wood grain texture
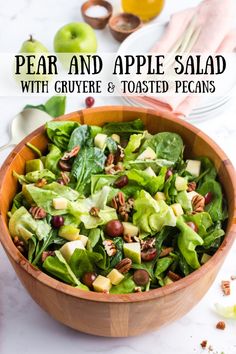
[130, 314]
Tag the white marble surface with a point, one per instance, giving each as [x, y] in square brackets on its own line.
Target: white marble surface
[24, 327]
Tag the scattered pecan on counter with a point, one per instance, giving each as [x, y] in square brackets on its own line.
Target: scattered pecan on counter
[220, 325]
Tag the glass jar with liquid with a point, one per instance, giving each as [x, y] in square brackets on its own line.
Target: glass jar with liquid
[145, 9]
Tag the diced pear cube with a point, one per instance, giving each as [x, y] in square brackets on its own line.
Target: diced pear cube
[205, 258]
[147, 154]
[167, 280]
[150, 172]
[83, 239]
[177, 209]
[60, 203]
[130, 229]
[181, 183]
[102, 284]
[115, 277]
[100, 140]
[133, 251]
[116, 138]
[193, 167]
[160, 196]
[68, 248]
[69, 232]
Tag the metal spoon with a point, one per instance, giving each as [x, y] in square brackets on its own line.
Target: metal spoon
[24, 123]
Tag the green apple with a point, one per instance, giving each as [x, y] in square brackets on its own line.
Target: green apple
[75, 37]
[133, 251]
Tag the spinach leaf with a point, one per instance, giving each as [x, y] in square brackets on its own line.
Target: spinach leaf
[58, 267]
[83, 261]
[136, 126]
[81, 136]
[183, 265]
[90, 160]
[32, 244]
[59, 132]
[208, 171]
[42, 246]
[118, 241]
[55, 106]
[168, 146]
[162, 265]
[214, 234]
[111, 145]
[52, 158]
[215, 207]
[126, 286]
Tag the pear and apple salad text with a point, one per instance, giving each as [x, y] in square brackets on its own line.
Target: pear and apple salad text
[115, 209]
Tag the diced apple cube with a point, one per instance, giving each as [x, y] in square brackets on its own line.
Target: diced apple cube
[130, 229]
[115, 277]
[116, 138]
[167, 280]
[193, 167]
[147, 154]
[160, 196]
[133, 251]
[68, 248]
[177, 209]
[69, 232]
[150, 172]
[102, 284]
[181, 183]
[100, 140]
[60, 203]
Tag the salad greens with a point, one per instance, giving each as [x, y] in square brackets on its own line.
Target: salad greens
[116, 209]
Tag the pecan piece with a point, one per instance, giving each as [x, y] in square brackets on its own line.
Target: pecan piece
[65, 179]
[19, 244]
[110, 247]
[204, 344]
[225, 286]
[46, 254]
[94, 211]
[41, 183]
[220, 325]
[198, 203]
[110, 160]
[166, 251]
[128, 238]
[124, 265]
[173, 276]
[191, 186]
[148, 243]
[37, 212]
[69, 154]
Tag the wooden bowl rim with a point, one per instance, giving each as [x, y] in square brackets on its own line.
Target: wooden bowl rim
[48, 281]
[87, 4]
[122, 15]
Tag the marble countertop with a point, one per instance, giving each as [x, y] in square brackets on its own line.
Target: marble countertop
[24, 327]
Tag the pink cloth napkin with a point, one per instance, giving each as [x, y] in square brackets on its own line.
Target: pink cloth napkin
[214, 18]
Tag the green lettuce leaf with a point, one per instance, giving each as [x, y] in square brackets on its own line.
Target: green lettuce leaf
[149, 183]
[59, 132]
[59, 268]
[152, 215]
[135, 126]
[83, 261]
[126, 286]
[52, 158]
[183, 200]
[133, 145]
[188, 240]
[202, 220]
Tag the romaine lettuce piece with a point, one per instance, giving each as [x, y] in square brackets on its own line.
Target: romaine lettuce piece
[52, 158]
[59, 132]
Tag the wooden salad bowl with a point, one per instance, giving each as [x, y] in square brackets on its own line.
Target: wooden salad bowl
[127, 314]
